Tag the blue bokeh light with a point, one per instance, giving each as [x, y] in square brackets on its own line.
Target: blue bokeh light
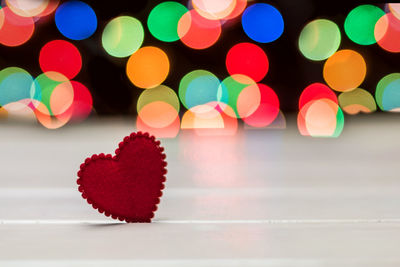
[263, 23]
[76, 20]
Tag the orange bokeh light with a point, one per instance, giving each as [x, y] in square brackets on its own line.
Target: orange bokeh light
[345, 70]
[148, 67]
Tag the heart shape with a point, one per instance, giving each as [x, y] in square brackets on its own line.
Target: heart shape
[129, 185]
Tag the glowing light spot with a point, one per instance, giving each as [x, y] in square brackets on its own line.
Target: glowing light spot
[158, 114]
[229, 93]
[169, 131]
[47, 120]
[395, 9]
[163, 20]
[19, 110]
[27, 8]
[123, 36]
[268, 109]
[198, 32]
[60, 56]
[82, 104]
[16, 30]
[387, 33]
[51, 7]
[198, 87]
[61, 98]
[238, 10]
[320, 118]
[147, 110]
[56, 92]
[15, 85]
[360, 24]
[214, 10]
[319, 39]
[356, 101]
[208, 120]
[76, 20]
[345, 70]
[262, 22]
[247, 59]
[148, 67]
[387, 93]
[316, 91]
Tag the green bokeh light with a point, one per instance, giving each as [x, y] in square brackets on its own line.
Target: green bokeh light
[163, 21]
[123, 36]
[319, 39]
[198, 87]
[45, 85]
[360, 24]
[382, 85]
[357, 96]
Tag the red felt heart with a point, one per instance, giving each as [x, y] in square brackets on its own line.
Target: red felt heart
[129, 185]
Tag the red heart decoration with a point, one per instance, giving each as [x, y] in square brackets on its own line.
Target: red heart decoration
[129, 185]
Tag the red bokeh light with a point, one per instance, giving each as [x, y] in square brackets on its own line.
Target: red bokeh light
[247, 59]
[60, 56]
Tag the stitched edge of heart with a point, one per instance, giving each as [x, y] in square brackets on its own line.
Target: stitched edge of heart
[125, 141]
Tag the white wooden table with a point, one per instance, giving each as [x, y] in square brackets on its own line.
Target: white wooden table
[260, 198]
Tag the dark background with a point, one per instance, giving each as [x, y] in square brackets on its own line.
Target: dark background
[289, 73]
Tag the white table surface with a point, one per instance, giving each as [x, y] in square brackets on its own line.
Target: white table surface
[260, 198]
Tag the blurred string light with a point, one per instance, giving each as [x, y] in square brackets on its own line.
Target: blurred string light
[319, 39]
[214, 10]
[394, 8]
[158, 111]
[163, 20]
[28, 8]
[148, 67]
[15, 85]
[387, 93]
[247, 59]
[198, 32]
[15, 30]
[76, 20]
[345, 70]
[60, 56]
[198, 87]
[387, 33]
[122, 36]
[207, 119]
[320, 114]
[360, 24]
[356, 101]
[51, 97]
[262, 22]
[158, 107]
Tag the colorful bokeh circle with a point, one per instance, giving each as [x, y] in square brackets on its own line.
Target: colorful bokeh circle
[356, 101]
[60, 56]
[262, 22]
[387, 93]
[198, 32]
[198, 87]
[319, 39]
[163, 20]
[122, 36]
[345, 70]
[360, 24]
[148, 67]
[247, 59]
[76, 20]
[15, 30]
